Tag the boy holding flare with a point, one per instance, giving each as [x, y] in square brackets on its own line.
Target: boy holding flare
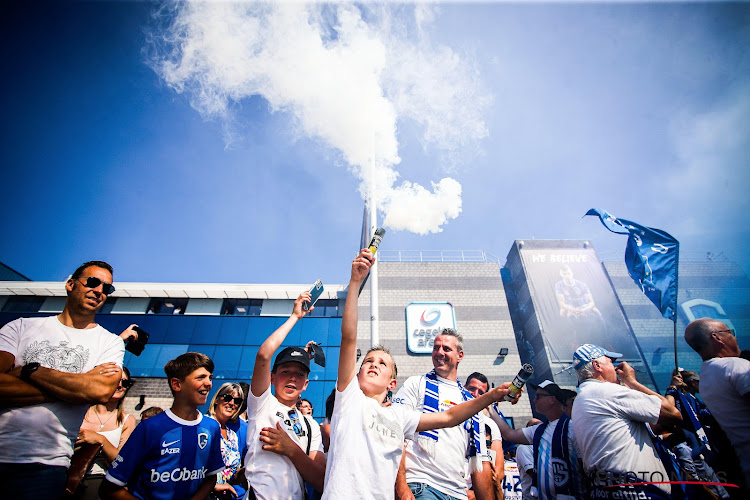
[367, 439]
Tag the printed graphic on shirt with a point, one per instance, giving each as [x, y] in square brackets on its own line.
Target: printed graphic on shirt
[62, 357]
[384, 430]
[446, 405]
[560, 472]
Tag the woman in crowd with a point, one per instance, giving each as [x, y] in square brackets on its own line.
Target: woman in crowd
[109, 426]
[305, 407]
[225, 408]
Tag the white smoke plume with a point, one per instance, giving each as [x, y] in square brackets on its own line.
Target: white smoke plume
[346, 74]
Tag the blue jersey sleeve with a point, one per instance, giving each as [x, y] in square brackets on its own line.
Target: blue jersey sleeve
[128, 462]
[215, 460]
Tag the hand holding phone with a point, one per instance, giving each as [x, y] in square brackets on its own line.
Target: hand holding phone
[136, 346]
[315, 292]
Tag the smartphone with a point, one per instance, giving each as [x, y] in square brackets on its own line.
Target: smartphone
[318, 355]
[315, 291]
[136, 346]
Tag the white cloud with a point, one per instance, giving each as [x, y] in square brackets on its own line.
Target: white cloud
[345, 75]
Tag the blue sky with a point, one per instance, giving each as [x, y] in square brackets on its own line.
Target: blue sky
[538, 111]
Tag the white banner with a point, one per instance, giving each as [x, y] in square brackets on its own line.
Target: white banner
[424, 320]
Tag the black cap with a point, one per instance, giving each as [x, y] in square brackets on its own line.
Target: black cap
[292, 354]
[550, 387]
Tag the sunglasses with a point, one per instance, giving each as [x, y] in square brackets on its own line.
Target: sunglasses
[94, 282]
[540, 396]
[228, 398]
[296, 425]
[126, 383]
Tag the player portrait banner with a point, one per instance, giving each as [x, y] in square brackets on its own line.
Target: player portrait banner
[652, 259]
[574, 301]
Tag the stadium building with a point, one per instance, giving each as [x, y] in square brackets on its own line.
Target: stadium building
[528, 309]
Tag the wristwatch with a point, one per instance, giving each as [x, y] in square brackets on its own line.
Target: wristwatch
[28, 369]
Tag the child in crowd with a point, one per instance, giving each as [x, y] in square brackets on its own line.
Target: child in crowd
[175, 454]
[367, 439]
[271, 472]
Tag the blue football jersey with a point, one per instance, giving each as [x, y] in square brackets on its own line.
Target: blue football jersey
[168, 458]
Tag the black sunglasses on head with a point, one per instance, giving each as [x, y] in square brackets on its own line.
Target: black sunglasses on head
[127, 383]
[228, 398]
[94, 282]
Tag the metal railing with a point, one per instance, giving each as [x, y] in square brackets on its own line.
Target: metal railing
[437, 256]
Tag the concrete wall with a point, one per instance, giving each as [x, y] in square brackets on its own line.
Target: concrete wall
[476, 291]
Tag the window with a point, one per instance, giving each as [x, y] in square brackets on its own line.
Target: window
[326, 308]
[23, 304]
[108, 305]
[242, 307]
[167, 306]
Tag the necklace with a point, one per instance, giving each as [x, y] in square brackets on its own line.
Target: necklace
[101, 424]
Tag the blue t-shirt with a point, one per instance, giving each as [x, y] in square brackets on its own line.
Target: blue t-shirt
[167, 457]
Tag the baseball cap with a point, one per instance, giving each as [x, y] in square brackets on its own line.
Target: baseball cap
[550, 387]
[292, 354]
[589, 352]
[690, 376]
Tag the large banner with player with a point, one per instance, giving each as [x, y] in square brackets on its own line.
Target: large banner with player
[575, 302]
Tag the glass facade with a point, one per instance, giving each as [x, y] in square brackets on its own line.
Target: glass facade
[232, 342]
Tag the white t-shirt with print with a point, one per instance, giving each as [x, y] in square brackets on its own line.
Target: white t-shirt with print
[724, 384]
[609, 421]
[366, 445]
[445, 472]
[45, 433]
[271, 475]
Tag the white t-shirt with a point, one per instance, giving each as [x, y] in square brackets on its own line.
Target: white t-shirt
[545, 473]
[366, 445]
[611, 435]
[272, 475]
[45, 433]
[525, 461]
[724, 385]
[445, 472]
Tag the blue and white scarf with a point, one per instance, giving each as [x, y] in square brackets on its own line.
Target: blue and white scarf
[427, 440]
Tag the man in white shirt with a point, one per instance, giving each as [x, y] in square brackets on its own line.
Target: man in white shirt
[724, 382]
[438, 464]
[478, 384]
[610, 421]
[51, 370]
[556, 461]
[526, 467]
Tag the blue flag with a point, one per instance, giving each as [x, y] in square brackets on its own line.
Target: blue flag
[651, 257]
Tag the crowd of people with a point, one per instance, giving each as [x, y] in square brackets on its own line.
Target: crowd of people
[62, 385]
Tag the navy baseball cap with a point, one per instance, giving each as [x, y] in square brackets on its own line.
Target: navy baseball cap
[550, 387]
[589, 352]
[292, 354]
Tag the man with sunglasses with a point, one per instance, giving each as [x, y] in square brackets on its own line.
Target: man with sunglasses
[724, 382]
[51, 370]
[555, 458]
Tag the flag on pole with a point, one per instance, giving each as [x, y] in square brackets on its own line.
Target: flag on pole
[651, 256]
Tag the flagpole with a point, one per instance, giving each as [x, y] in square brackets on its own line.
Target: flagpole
[374, 324]
[676, 300]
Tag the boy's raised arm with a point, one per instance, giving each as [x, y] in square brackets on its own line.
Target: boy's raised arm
[348, 352]
[262, 369]
[464, 411]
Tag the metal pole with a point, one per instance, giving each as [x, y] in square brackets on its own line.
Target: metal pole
[374, 324]
[677, 293]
